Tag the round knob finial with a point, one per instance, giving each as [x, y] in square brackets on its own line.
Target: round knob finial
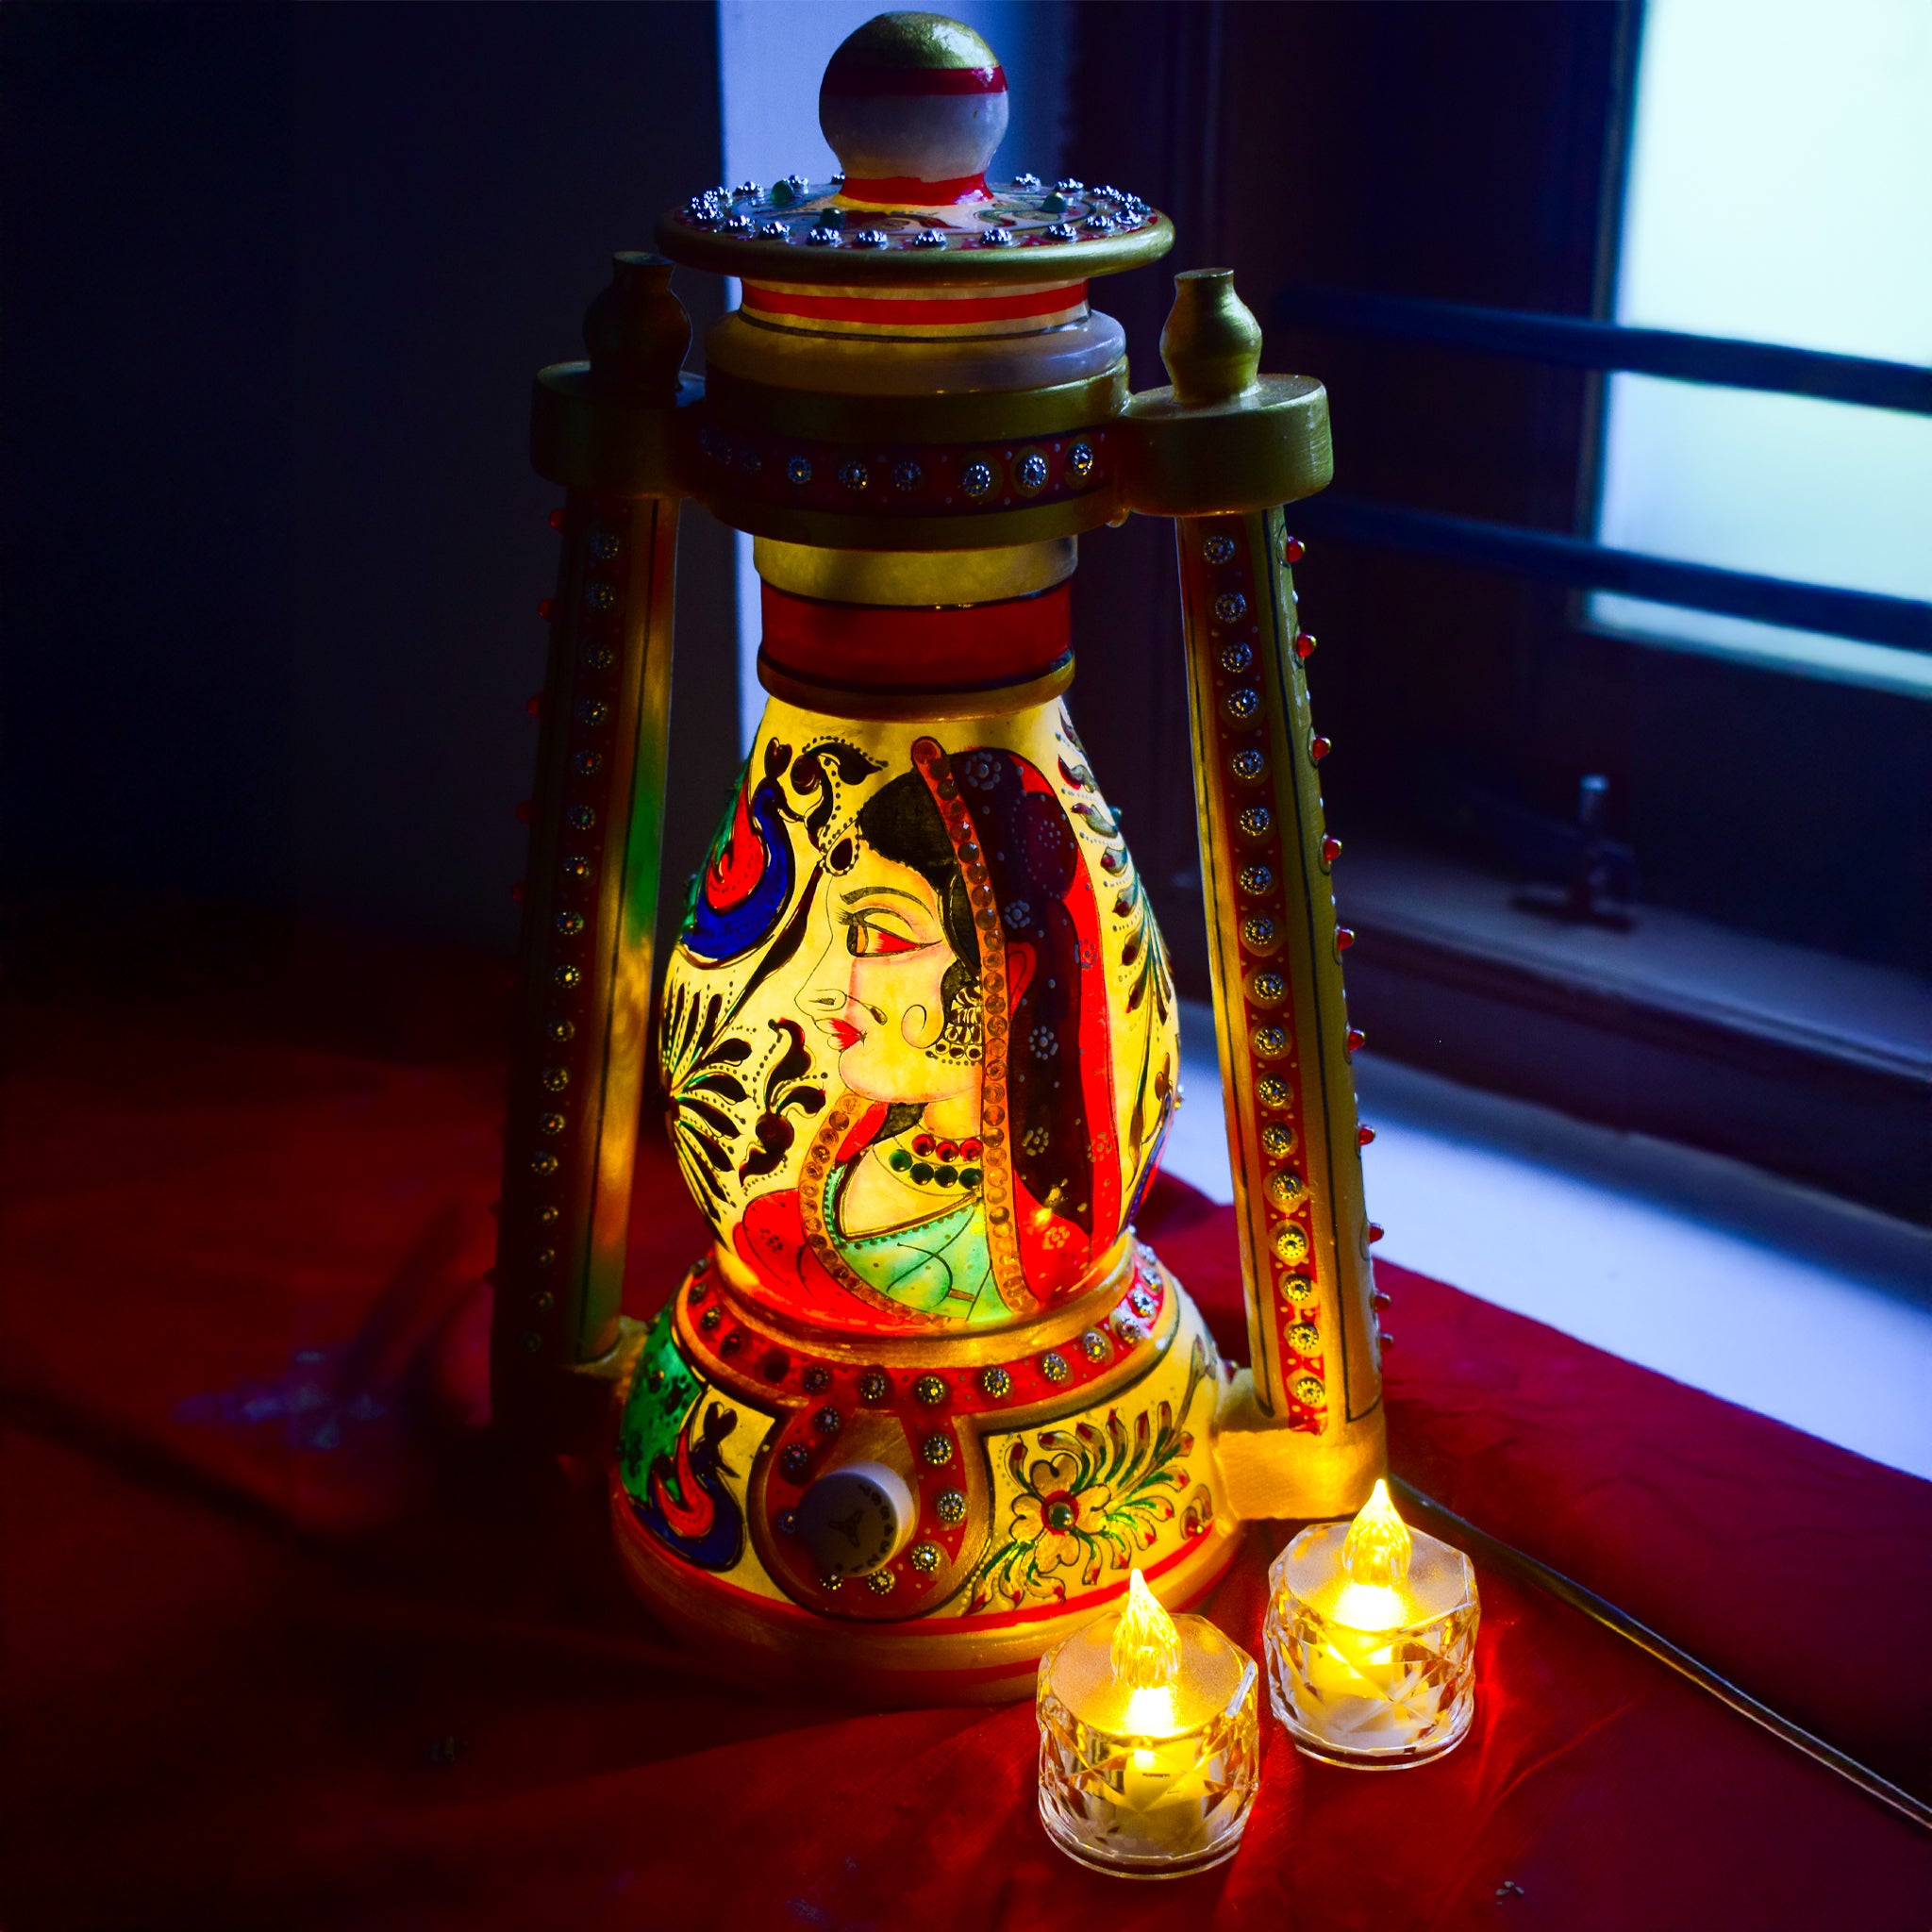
[913, 105]
[855, 1516]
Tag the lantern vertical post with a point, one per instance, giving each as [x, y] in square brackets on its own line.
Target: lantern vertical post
[604, 428]
[1301, 1434]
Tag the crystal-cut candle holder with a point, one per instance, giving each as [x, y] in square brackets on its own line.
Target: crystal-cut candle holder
[1370, 1641]
[1149, 1741]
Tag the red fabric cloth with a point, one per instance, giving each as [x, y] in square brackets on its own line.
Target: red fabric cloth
[291, 1640]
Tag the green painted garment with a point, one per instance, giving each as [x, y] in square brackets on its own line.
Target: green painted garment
[940, 1267]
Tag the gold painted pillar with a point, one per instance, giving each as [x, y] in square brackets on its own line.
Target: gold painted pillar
[1300, 1434]
[604, 429]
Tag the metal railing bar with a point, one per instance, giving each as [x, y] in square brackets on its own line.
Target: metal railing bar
[1575, 342]
[1867, 615]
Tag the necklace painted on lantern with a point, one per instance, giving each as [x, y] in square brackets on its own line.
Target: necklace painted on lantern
[923, 1161]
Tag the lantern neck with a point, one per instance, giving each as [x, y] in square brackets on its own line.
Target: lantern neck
[917, 661]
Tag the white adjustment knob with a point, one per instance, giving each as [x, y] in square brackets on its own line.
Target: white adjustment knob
[855, 1518]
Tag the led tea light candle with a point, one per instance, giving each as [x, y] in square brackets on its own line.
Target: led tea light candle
[1149, 1741]
[1370, 1637]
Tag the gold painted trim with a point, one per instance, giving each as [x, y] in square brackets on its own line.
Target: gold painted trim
[1268, 445]
[913, 578]
[968, 370]
[746, 397]
[849, 701]
[839, 530]
[996, 1153]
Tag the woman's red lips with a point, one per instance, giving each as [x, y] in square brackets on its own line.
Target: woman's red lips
[843, 1032]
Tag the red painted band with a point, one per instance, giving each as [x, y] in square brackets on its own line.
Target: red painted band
[908, 190]
[921, 648]
[868, 83]
[939, 309]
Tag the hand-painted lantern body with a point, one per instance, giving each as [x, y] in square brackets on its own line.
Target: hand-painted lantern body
[927, 1400]
[945, 1010]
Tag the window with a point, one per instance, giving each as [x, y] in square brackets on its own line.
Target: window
[1780, 162]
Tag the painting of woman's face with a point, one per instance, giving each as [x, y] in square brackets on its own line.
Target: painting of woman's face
[876, 989]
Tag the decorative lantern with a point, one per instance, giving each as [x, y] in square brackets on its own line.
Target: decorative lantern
[913, 1418]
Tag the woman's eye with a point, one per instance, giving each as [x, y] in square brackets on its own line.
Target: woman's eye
[864, 940]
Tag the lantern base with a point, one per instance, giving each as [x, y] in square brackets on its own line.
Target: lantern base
[983, 1528]
[924, 1661]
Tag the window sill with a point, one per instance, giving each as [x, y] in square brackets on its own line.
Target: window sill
[1802, 1063]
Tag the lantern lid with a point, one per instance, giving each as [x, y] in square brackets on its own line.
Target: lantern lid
[914, 106]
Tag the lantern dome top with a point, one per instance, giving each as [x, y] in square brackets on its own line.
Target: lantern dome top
[914, 104]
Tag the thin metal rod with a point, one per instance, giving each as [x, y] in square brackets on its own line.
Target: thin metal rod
[1508, 1558]
[1902, 622]
[1575, 342]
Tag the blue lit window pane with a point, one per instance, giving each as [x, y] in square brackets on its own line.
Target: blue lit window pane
[1780, 190]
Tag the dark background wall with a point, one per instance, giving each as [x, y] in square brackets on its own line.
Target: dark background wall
[276, 281]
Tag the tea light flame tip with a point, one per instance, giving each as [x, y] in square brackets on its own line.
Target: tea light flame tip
[1377, 1548]
[1146, 1650]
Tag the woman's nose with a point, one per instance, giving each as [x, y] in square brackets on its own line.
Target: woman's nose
[827, 999]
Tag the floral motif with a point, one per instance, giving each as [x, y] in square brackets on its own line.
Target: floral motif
[1056, 1510]
[1094, 1498]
